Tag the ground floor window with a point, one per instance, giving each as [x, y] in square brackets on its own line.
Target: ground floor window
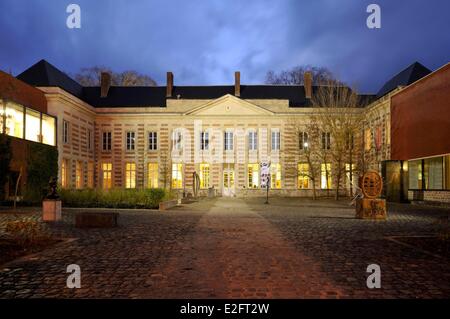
[325, 176]
[90, 175]
[349, 175]
[253, 175]
[107, 175]
[303, 176]
[64, 175]
[429, 173]
[152, 175]
[79, 174]
[204, 175]
[275, 176]
[177, 175]
[130, 175]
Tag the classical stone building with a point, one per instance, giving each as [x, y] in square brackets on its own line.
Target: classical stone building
[161, 136]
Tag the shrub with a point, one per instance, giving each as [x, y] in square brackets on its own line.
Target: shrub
[42, 165]
[26, 231]
[113, 198]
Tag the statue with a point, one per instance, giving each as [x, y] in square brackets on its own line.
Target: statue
[52, 194]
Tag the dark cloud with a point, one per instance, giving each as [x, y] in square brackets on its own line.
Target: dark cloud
[205, 41]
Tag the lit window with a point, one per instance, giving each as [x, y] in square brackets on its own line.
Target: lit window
[275, 140]
[79, 174]
[252, 140]
[152, 141]
[325, 174]
[326, 140]
[177, 175]
[130, 141]
[48, 129]
[90, 175]
[303, 138]
[177, 140]
[204, 141]
[106, 141]
[204, 175]
[130, 175]
[65, 132]
[253, 175]
[303, 176]
[107, 175]
[275, 175]
[349, 174]
[228, 139]
[152, 175]
[14, 120]
[64, 174]
[367, 139]
[32, 125]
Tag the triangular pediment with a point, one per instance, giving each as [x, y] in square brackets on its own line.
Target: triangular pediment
[229, 105]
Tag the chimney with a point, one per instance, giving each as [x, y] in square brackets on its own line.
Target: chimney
[169, 86]
[237, 83]
[105, 84]
[307, 83]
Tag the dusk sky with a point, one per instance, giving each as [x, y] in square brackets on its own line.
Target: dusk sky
[205, 41]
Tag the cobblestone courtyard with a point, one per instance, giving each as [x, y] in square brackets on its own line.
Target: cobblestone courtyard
[237, 248]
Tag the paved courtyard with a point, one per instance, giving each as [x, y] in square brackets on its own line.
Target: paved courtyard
[237, 248]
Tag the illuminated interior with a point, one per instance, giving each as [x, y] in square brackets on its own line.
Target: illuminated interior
[253, 175]
[130, 175]
[32, 125]
[48, 130]
[204, 175]
[177, 175]
[152, 175]
[275, 175]
[303, 175]
[14, 120]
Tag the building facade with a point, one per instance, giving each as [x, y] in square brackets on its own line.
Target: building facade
[135, 137]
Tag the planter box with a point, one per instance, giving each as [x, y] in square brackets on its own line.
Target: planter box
[367, 208]
[96, 220]
[51, 210]
[168, 204]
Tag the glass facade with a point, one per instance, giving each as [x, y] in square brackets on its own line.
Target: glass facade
[22, 122]
[429, 173]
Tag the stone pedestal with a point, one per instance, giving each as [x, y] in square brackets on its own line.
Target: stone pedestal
[51, 210]
[371, 208]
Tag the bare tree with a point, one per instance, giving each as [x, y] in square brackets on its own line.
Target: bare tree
[338, 114]
[307, 133]
[295, 75]
[91, 77]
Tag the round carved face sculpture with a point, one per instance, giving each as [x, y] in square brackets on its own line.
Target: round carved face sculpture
[372, 184]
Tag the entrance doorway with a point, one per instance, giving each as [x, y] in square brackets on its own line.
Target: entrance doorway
[228, 180]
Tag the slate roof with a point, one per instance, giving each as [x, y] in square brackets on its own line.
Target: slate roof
[45, 74]
[411, 74]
